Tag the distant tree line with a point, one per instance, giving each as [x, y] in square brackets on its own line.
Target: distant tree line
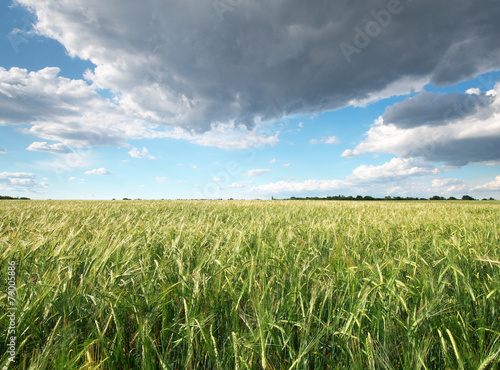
[368, 197]
[8, 197]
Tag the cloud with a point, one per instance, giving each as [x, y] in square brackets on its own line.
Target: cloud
[72, 113]
[62, 164]
[433, 109]
[299, 186]
[473, 138]
[99, 171]
[259, 61]
[227, 136]
[58, 148]
[256, 172]
[241, 184]
[3, 150]
[161, 179]
[399, 175]
[493, 185]
[272, 161]
[449, 185]
[20, 181]
[286, 165]
[135, 153]
[326, 140]
[64, 110]
[395, 169]
[440, 182]
[71, 178]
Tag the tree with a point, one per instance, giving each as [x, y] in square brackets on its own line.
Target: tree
[437, 197]
[467, 197]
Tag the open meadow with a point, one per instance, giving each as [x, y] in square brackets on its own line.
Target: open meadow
[252, 284]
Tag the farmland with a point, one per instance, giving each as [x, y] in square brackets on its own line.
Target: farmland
[252, 284]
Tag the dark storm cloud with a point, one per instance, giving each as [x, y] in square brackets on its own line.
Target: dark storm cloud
[192, 63]
[460, 152]
[435, 109]
[456, 129]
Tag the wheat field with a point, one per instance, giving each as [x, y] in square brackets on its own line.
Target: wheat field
[252, 284]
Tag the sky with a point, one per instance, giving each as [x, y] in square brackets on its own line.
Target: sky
[168, 99]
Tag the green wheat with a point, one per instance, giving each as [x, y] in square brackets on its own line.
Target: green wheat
[252, 284]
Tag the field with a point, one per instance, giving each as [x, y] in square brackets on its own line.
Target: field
[252, 284]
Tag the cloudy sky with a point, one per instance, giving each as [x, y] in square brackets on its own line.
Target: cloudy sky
[249, 99]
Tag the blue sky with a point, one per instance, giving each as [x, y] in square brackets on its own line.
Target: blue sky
[248, 100]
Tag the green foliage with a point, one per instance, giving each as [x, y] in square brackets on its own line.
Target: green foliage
[253, 284]
[437, 197]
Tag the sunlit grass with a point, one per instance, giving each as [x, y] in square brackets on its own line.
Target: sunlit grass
[253, 284]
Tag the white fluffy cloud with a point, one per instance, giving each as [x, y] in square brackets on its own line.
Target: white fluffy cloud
[20, 181]
[472, 136]
[241, 184]
[51, 148]
[59, 109]
[72, 113]
[135, 153]
[256, 172]
[161, 179]
[493, 185]
[98, 171]
[228, 136]
[299, 186]
[326, 140]
[395, 169]
[389, 178]
[449, 186]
